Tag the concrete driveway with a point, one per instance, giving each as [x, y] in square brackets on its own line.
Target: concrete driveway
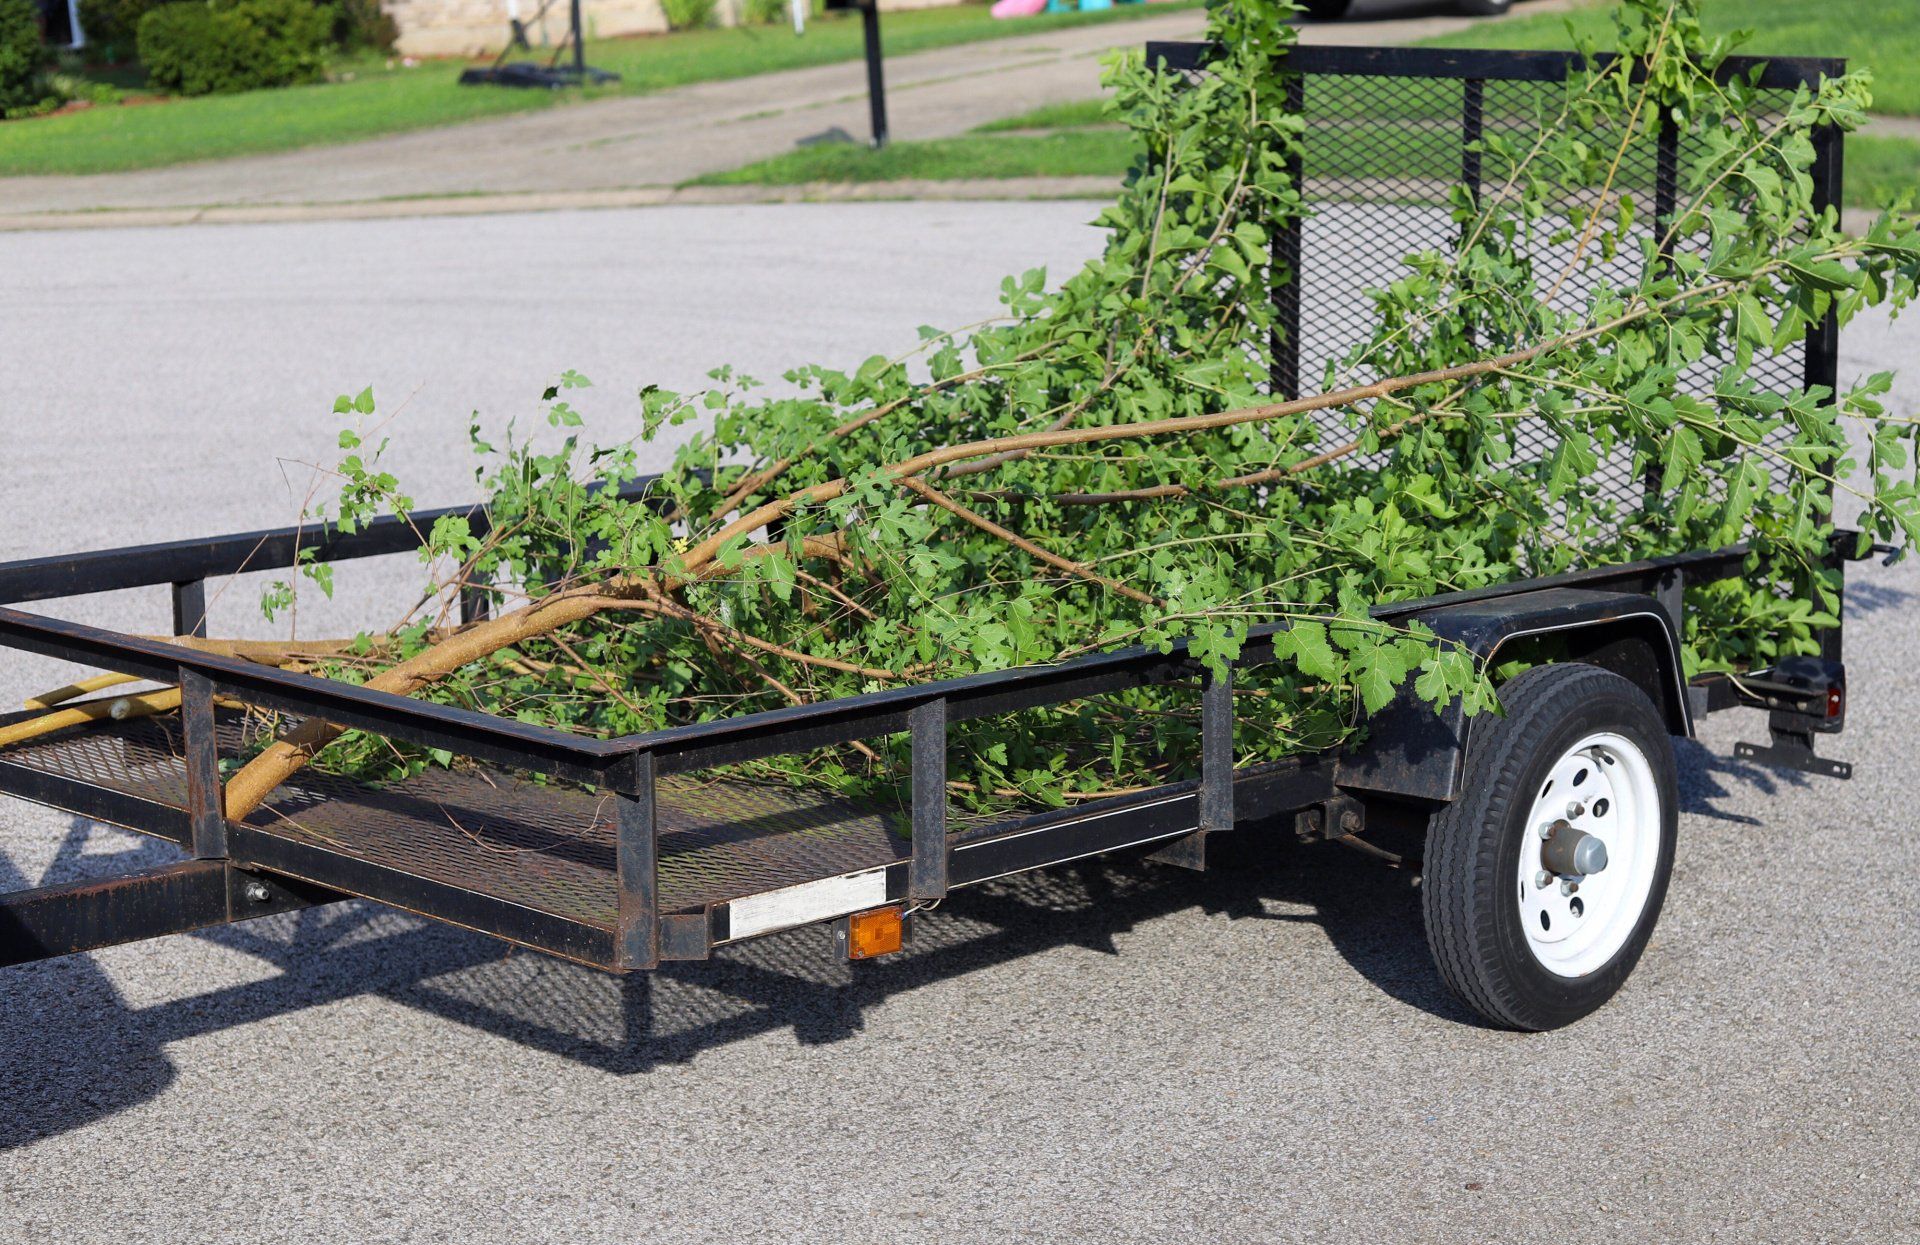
[668, 137]
[1111, 1052]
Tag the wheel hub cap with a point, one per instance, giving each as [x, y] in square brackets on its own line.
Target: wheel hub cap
[1588, 859]
[1568, 851]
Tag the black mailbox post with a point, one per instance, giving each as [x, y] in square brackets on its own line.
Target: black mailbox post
[876, 86]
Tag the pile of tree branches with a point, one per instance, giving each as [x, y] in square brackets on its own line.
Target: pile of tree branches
[1103, 464]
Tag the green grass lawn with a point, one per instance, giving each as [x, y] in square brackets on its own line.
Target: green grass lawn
[1882, 35]
[1078, 114]
[1079, 139]
[378, 100]
[1067, 154]
[1076, 141]
[1879, 170]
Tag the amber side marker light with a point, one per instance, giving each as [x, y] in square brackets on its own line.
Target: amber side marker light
[872, 933]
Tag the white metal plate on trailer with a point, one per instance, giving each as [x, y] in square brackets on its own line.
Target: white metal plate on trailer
[805, 903]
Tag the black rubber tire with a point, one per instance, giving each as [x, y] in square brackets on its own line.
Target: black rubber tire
[1326, 10]
[1484, 8]
[1473, 845]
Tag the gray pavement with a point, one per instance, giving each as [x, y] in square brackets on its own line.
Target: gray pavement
[671, 136]
[1893, 127]
[1111, 1052]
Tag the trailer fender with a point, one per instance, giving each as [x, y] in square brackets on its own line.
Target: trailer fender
[1413, 752]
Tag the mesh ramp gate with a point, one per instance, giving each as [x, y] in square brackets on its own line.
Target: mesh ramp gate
[1392, 132]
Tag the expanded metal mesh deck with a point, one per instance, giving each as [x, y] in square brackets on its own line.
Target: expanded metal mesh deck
[546, 848]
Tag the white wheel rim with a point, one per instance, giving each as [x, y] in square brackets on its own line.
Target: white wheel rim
[1603, 786]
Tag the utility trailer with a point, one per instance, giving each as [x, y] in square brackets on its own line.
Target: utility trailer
[1549, 831]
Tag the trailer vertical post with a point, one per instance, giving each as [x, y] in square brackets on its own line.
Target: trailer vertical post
[1833, 639]
[1216, 752]
[1671, 592]
[1214, 805]
[1822, 364]
[1666, 182]
[927, 875]
[475, 604]
[1666, 193]
[1285, 272]
[637, 866]
[1472, 127]
[190, 607]
[1823, 338]
[206, 804]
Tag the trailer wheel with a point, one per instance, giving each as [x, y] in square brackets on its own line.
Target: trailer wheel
[1327, 10]
[1485, 8]
[1544, 879]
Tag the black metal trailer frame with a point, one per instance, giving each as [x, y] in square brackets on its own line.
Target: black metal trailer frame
[1621, 616]
[653, 868]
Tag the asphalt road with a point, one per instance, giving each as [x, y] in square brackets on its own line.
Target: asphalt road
[1114, 1052]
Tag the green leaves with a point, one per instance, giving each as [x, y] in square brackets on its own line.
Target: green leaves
[1307, 643]
[1826, 275]
[1639, 412]
[1754, 325]
[1683, 453]
[359, 404]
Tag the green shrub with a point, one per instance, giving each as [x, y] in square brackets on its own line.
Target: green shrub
[763, 12]
[363, 25]
[20, 85]
[212, 47]
[688, 14]
[113, 26]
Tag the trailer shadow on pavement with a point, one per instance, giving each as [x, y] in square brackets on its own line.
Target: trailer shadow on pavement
[74, 1049]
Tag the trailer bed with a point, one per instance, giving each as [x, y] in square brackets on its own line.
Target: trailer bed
[503, 840]
[535, 862]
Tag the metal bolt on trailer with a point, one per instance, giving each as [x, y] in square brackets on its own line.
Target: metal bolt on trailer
[612, 853]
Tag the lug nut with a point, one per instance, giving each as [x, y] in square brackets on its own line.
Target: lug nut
[1543, 879]
[1568, 888]
[1575, 810]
